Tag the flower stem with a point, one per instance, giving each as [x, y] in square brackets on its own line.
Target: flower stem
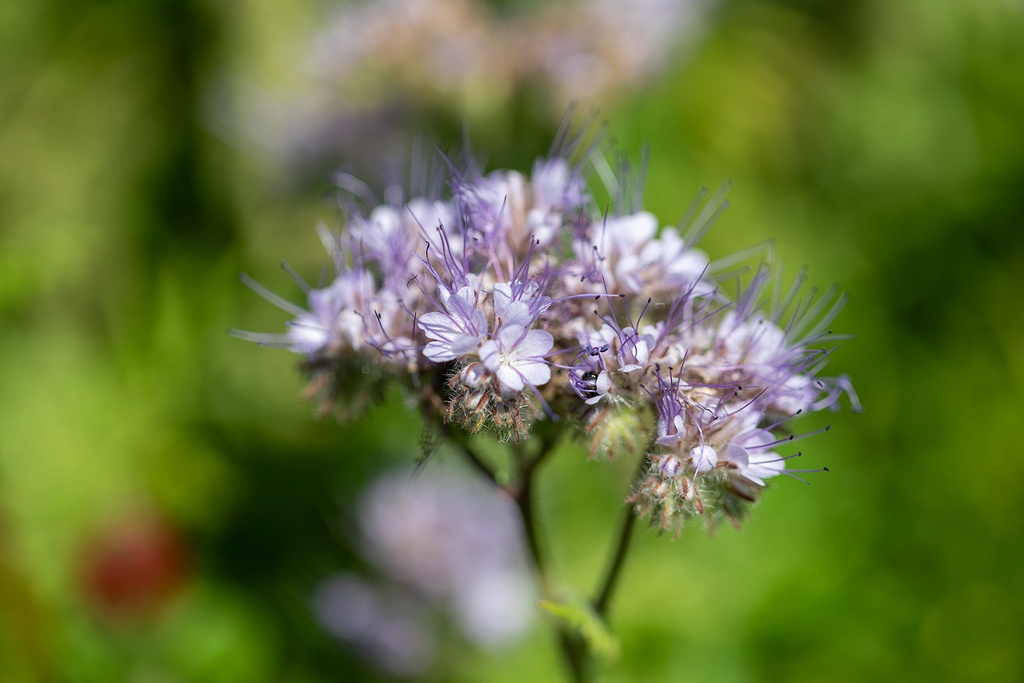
[572, 650]
[602, 602]
[460, 440]
[523, 497]
[522, 493]
[618, 559]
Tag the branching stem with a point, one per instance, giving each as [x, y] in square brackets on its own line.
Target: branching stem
[527, 464]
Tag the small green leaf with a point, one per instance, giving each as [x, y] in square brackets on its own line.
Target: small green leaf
[579, 615]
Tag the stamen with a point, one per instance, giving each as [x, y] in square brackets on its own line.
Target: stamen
[274, 341]
[280, 302]
[296, 277]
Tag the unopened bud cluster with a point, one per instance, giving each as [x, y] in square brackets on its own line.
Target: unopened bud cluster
[516, 298]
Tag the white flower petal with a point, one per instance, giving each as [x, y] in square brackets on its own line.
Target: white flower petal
[642, 351]
[465, 344]
[703, 457]
[502, 298]
[626, 233]
[737, 455]
[508, 336]
[488, 353]
[535, 344]
[510, 377]
[764, 465]
[439, 352]
[534, 372]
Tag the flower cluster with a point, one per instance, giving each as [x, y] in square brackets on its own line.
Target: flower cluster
[447, 48]
[511, 299]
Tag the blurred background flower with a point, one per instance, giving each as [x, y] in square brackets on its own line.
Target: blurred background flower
[133, 567]
[154, 150]
[371, 70]
[447, 548]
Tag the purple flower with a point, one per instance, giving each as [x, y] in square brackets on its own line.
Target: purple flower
[519, 302]
[636, 259]
[507, 347]
[516, 297]
[458, 331]
[516, 356]
[336, 319]
[748, 452]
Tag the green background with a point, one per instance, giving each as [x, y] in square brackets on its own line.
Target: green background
[881, 143]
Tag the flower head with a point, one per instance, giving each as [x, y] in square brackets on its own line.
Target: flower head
[516, 298]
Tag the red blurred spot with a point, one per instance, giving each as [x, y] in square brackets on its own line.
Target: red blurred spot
[133, 566]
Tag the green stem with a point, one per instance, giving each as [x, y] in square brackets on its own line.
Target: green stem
[571, 648]
[618, 558]
[611, 577]
[523, 497]
[522, 493]
[460, 439]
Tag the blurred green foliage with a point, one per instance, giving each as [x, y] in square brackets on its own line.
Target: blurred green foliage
[880, 143]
